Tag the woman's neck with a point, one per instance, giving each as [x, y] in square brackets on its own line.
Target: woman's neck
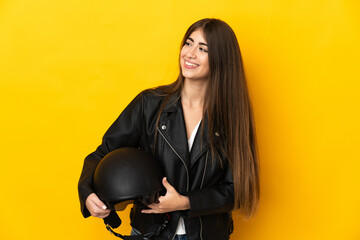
[193, 93]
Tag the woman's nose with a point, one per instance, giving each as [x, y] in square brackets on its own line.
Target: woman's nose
[191, 52]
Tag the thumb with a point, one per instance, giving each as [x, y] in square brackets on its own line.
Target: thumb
[167, 185]
[98, 202]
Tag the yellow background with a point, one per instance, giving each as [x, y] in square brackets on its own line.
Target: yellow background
[68, 68]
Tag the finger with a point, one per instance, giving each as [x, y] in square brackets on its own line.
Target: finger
[98, 202]
[151, 211]
[104, 215]
[167, 185]
[98, 212]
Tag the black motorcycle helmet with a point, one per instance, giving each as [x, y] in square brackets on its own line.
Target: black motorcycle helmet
[123, 176]
[126, 174]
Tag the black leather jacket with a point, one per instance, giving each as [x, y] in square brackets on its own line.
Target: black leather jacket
[196, 174]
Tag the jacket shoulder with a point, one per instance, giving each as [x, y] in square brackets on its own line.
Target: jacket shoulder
[153, 96]
[153, 93]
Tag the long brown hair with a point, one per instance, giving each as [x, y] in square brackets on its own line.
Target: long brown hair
[228, 110]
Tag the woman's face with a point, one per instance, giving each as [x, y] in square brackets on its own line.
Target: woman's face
[194, 60]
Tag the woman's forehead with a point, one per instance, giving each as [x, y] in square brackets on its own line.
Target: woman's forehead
[198, 35]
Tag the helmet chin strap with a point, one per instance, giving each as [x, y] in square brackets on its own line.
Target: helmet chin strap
[141, 237]
[135, 237]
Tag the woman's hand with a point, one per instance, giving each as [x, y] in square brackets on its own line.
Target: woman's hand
[96, 207]
[172, 201]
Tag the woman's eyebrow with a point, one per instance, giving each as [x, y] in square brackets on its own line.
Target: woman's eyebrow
[200, 43]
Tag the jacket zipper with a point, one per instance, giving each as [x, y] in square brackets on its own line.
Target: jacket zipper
[200, 228]
[187, 171]
[201, 185]
[206, 160]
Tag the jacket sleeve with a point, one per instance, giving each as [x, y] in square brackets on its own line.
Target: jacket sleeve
[213, 199]
[124, 132]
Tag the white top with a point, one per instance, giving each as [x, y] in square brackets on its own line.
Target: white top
[181, 225]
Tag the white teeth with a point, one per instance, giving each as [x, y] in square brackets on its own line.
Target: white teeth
[190, 64]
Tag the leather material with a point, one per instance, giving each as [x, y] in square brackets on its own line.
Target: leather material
[196, 174]
[127, 174]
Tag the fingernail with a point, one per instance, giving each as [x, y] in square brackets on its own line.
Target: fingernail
[104, 207]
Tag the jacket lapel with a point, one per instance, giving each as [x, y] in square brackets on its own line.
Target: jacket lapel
[201, 142]
[172, 126]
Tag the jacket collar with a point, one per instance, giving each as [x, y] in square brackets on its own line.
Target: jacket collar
[172, 104]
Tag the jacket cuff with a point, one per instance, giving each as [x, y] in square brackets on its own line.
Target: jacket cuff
[195, 205]
[209, 201]
[83, 195]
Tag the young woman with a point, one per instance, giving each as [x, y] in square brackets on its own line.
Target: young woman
[201, 130]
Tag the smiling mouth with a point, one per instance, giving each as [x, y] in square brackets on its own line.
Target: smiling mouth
[190, 64]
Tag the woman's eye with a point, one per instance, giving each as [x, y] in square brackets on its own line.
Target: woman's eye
[187, 44]
[203, 50]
